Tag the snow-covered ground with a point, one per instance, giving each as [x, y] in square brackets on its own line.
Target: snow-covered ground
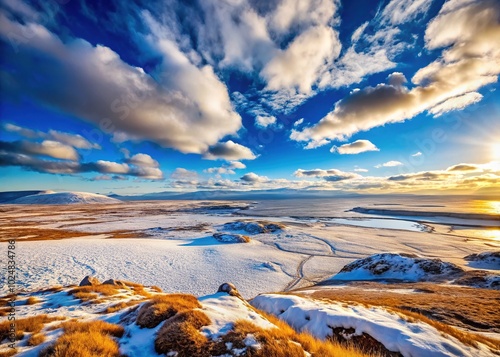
[394, 332]
[175, 248]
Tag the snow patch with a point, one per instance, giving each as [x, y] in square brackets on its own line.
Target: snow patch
[408, 267]
[394, 332]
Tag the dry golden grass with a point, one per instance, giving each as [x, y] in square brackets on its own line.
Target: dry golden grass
[86, 339]
[32, 300]
[181, 333]
[36, 339]
[8, 353]
[32, 324]
[162, 307]
[93, 344]
[121, 305]
[53, 289]
[309, 343]
[445, 307]
[36, 234]
[156, 288]
[74, 326]
[469, 308]
[465, 337]
[88, 293]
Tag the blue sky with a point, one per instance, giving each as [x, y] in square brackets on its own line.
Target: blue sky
[362, 96]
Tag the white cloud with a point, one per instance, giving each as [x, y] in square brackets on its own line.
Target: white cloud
[355, 147]
[298, 122]
[316, 144]
[229, 150]
[219, 171]
[456, 103]
[392, 163]
[143, 160]
[299, 66]
[50, 148]
[331, 175]
[74, 140]
[252, 178]
[237, 165]
[359, 169]
[471, 62]
[264, 121]
[400, 11]
[356, 35]
[417, 154]
[181, 173]
[185, 107]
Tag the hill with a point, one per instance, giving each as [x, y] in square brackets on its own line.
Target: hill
[64, 198]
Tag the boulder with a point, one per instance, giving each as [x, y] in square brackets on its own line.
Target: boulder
[113, 282]
[230, 289]
[89, 281]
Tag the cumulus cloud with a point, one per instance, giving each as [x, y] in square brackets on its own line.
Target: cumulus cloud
[143, 160]
[264, 121]
[463, 167]
[237, 165]
[417, 154]
[229, 150]
[184, 106]
[300, 65]
[252, 178]
[219, 171]
[355, 147]
[27, 155]
[74, 140]
[332, 175]
[360, 169]
[49, 148]
[66, 167]
[391, 163]
[471, 61]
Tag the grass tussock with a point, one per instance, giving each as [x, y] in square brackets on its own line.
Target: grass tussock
[36, 339]
[283, 340]
[181, 333]
[464, 307]
[86, 339]
[10, 352]
[162, 307]
[32, 324]
[74, 326]
[156, 288]
[82, 344]
[121, 305]
[467, 338]
[32, 300]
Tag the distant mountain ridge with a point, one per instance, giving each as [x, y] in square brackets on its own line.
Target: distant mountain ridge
[281, 193]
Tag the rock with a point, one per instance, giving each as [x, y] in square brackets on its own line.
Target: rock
[230, 289]
[89, 281]
[231, 238]
[113, 282]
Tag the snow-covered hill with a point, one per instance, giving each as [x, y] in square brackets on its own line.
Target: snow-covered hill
[64, 198]
[116, 318]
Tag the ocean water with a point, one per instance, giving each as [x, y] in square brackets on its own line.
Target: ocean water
[342, 206]
[465, 216]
